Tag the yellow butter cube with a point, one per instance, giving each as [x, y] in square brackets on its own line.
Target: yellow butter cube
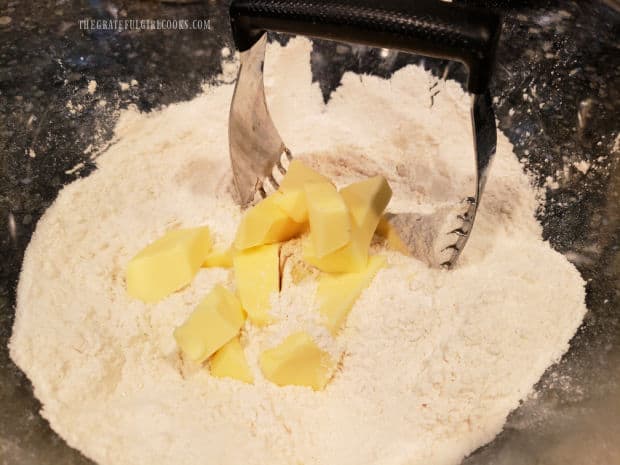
[337, 293]
[291, 197]
[366, 201]
[292, 203]
[219, 259]
[298, 175]
[297, 361]
[168, 264]
[393, 238]
[257, 275]
[216, 320]
[265, 223]
[230, 362]
[330, 224]
[348, 259]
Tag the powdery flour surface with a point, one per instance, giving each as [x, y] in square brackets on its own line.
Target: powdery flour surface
[433, 360]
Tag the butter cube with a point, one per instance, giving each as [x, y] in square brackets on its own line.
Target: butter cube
[219, 259]
[298, 175]
[257, 275]
[291, 197]
[348, 259]
[297, 361]
[366, 201]
[337, 293]
[265, 223]
[292, 203]
[330, 224]
[168, 264]
[216, 320]
[230, 362]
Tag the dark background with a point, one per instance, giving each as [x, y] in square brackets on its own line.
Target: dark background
[563, 55]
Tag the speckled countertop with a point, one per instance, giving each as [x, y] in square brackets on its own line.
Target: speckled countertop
[557, 97]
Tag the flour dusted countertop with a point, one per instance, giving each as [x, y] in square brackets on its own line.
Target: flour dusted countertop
[433, 360]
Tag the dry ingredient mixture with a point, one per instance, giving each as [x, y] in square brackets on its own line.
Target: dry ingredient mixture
[433, 360]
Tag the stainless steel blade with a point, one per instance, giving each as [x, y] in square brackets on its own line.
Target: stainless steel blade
[485, 144]
[255, 144]
[485, 136]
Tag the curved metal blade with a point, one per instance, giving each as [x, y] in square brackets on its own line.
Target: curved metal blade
[485, 144]
[255, 144]
[485, 136]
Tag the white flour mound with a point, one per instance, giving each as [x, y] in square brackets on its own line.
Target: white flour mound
[434, 360]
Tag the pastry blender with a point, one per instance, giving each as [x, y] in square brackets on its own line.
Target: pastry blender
[428, 27]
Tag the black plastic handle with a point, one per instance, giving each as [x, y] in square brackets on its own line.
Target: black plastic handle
[427, 27]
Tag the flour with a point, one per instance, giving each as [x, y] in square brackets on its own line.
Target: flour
[433, 360]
